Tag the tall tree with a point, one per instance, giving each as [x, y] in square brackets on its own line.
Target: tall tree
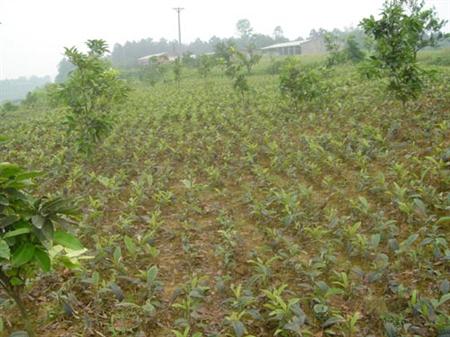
[244, 29]
[278, 33]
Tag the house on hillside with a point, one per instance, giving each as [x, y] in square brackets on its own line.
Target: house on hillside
[307, 47]
[159, 58]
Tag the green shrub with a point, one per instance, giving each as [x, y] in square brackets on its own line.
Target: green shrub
[29, 227]
[90, 94]
[404, 28]
[299, 83]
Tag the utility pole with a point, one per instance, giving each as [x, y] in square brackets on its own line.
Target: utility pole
[179, 9]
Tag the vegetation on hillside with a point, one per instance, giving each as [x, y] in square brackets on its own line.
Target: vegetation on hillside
[17, 89]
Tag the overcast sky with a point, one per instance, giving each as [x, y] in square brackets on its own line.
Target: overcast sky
[33, 33]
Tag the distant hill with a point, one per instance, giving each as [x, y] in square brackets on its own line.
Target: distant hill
[17, 89]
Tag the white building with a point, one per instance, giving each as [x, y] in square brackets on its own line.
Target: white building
[314, 46]
[157, 58]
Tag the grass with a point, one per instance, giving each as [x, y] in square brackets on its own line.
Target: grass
[252, 216]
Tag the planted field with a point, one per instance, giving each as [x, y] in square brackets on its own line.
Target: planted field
[248, 218]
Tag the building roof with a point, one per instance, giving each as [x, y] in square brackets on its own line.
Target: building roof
[148, 57]
[285, 44]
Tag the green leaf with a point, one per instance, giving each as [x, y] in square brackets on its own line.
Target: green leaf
[443, 299]
[4, 201]
[117, 291]
[443, 221]
[42, 259]
[117, 255]
[149, 308]
[8, 220]
[444, 287]
[23, 255]
[375, 240]
[408, 242]
[15, 281]
[331, 321]
[9, 170]
[38, 221]
[239, 328]
[67, 240]
[17, 232]
[390, 329]
[151, 275]
[320, 308]
[28, 175]
[4, 250]
[131, 246]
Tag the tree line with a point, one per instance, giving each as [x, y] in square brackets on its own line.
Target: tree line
[16, 89]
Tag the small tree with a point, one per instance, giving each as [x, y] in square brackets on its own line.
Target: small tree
[29, 227]
[405, 27]
[352, 50]
[235, 66]
[278, 34]
[155, 71]
[90, 93]
[205, 64]
[250, 58]
[299, 84]
[336, 55]
[245, 30]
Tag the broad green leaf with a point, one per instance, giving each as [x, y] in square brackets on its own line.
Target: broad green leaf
[23, 255]
[444, 287]
[131, 246]
[238, 328]
[443, 221]
[117, 291]
[15, 281]
[9, 170]
[443, 299]
[17, 232]
[117, 255]
[408, 242]
[375, 240]
[149, 308]
[3, 200]
[320, 308]
[69, 263]
[28, 175]
[4, 250]
[390, 329]
[38, 221]
[331, 321]
[42, 259]
[151, 275]
[8, 220]
[67, 240]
